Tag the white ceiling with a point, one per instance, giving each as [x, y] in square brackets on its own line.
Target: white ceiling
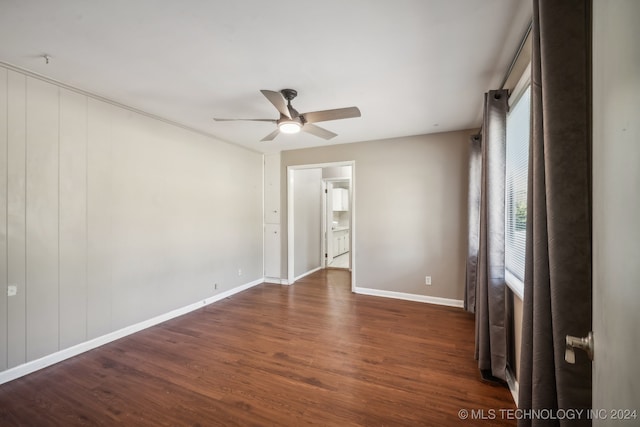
[411, 66]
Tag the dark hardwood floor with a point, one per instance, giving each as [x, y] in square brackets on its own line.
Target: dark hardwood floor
[311, 353]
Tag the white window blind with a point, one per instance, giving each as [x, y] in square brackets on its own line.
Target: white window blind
[517, 162]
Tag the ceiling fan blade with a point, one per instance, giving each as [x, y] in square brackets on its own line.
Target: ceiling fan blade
[271, 136]
[278, 101]
[318, 131]
[336, 114]
[246, 120]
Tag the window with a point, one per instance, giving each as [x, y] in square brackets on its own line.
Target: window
[517, 162]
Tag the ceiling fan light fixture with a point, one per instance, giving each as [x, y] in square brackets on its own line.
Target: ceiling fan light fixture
[289, 126]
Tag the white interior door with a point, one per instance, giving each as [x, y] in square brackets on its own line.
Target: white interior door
[616, 212]
[328, 224]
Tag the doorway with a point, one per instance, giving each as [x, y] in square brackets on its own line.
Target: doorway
[337, 218]
[298, 224]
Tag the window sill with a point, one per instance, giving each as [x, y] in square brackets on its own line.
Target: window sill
[514, 284]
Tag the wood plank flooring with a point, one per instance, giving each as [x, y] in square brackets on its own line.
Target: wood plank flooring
[308, 354]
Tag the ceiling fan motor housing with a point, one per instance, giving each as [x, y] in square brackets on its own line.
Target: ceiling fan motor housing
[289, 94]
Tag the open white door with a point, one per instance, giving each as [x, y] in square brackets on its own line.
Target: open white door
[616, 212]
[328, 212]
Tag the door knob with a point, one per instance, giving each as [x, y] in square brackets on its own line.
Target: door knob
[572, 343]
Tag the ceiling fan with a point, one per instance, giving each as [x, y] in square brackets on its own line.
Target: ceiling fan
[291, 121]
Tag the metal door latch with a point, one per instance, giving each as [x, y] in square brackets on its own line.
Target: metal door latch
[573, 343]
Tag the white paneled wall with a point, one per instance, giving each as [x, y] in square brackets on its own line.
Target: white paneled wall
[3, 218]
[99, 243]
[16, 211]
[73, 218]
[109, 217]
[42, 217]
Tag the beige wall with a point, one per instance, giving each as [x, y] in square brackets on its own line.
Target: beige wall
[410, 210]
[112, 217]
[307, 202]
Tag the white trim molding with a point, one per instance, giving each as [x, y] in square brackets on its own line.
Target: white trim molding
[410, 297]
[307, 273]
[514, 284]
[276, 281]
[59, 356]
[514, 386]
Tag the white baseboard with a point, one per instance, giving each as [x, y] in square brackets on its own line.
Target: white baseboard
[307, 273]
[276, 281]
[514, 387]
[410, 297]
[59, 356]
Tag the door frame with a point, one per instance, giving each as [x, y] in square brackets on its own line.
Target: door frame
[291, 218]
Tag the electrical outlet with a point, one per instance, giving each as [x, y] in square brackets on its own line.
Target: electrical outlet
[12, 290]
[239, 272]
[427, 280]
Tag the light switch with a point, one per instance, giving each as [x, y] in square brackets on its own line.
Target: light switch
[12, 290]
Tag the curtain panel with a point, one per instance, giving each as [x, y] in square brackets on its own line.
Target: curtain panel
[491, 333]
[473, 224]
[557, 299]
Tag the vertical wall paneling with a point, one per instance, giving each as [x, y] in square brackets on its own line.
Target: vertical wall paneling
[109, 218]
[16, 210]
[42, 218]
[3, 219]
[73, 218]
[99, 218]
[139, 206]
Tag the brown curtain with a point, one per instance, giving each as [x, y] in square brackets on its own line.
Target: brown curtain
[473, 222]
[557, 298]
[491, 335]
